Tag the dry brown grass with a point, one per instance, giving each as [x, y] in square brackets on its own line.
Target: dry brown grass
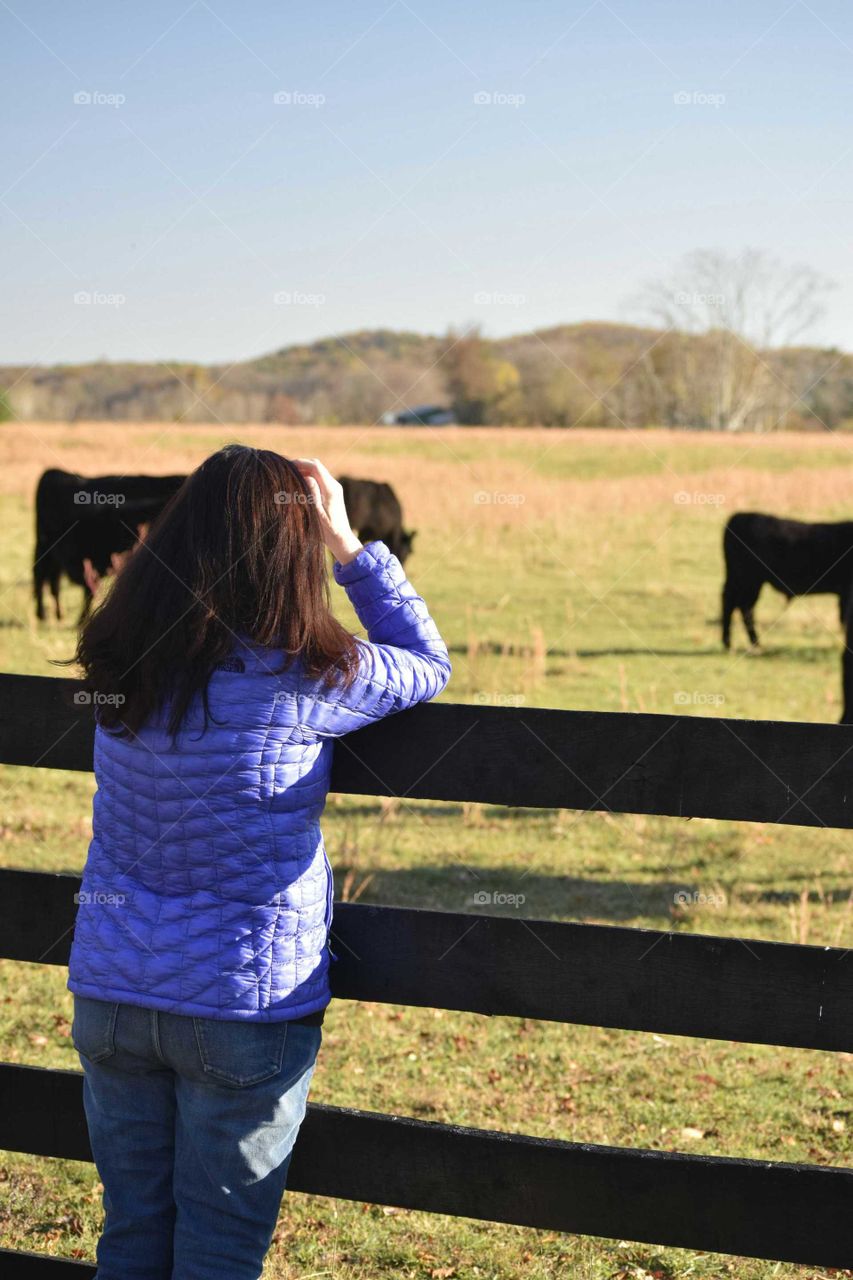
[442, 470]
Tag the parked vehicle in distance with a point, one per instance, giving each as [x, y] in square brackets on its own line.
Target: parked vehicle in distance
[422, 415]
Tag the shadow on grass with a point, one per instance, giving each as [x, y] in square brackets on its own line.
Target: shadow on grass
[810, 653]
[793, 895]
[500, 891]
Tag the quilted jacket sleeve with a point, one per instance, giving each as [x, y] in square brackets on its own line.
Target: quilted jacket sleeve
[404, 661]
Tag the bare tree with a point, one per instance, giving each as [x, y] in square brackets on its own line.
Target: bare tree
[724, 316]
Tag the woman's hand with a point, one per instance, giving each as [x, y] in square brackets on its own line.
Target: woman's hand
[328, 495]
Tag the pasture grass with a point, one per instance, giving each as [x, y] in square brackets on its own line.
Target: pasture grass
[566, 569]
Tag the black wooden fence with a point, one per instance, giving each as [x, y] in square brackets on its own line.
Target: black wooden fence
[638, 979]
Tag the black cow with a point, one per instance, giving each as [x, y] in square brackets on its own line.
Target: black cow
[796, 558]
[80, 519]
[374, 511]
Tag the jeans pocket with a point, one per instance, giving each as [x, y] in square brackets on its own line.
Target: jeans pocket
[93, 1029]
[240, 1053]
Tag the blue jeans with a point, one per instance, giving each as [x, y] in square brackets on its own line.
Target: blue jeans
[192, 1123]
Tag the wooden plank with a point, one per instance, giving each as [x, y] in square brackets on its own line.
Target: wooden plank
[37, 913]
[17, 1265]
[789, 1213]
[687, 766]
[599, 975]
[42, 725]
[684, 766]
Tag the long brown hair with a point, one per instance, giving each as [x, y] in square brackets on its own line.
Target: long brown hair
[237, 551]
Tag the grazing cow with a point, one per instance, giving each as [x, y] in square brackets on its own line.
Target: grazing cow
[375, 512]
[79, 519]
[796, 558]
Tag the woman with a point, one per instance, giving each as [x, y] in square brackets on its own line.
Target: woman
[200, 960]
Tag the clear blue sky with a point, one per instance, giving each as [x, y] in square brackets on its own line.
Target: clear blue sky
[385, 195]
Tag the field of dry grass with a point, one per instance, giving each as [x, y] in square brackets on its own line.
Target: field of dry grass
[568, 569]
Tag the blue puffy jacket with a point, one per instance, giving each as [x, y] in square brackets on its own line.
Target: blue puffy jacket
[207, 890]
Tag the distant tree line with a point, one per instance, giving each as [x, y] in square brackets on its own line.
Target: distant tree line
[718, 354]
[715, 348]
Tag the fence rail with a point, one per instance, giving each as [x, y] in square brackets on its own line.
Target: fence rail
[746, 1207]
[638, 979]
[680, 766]
[597, 975]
